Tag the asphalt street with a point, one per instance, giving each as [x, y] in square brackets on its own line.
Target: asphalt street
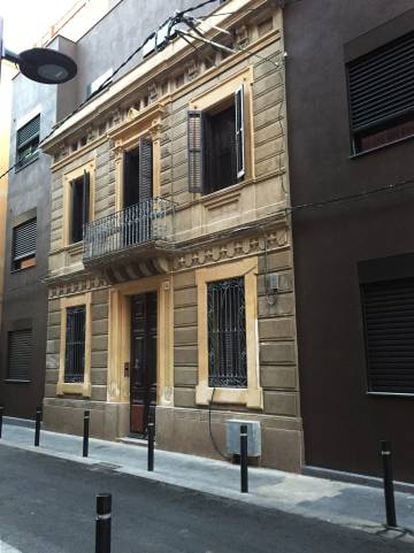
[47, 505]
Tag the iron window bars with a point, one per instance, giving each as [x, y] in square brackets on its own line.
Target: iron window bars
[227, 353]
[75, 344]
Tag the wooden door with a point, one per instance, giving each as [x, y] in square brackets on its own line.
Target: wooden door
[143, 360]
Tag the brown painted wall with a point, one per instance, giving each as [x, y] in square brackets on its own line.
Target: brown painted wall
[343, 425]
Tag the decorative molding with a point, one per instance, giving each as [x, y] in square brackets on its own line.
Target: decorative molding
[76, 287]
[231, 250]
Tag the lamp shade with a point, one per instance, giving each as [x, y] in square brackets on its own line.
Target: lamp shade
[47, 66]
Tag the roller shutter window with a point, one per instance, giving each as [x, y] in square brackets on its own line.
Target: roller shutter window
[381, 94]
[24, 245]
[388, 309]
[27, 142]
[19, 354]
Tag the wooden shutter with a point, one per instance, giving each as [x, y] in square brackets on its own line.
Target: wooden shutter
[239, 124]
[145, 169]
[381, 84]
[85, 198]
[389, 331]
[24, 240]
[19, 354]
[195, 151]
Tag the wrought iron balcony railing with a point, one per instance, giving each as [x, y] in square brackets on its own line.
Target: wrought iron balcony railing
[145, 222]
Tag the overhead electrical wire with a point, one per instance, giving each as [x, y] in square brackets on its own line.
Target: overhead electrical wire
[179, 16]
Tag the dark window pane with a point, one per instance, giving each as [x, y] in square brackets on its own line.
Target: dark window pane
[220, 149]
[75, 344]
[80, 207]
[227, 333]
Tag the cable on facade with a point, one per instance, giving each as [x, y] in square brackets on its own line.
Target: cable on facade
[210, 429]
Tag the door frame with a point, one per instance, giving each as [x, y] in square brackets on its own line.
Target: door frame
[119, 338]
[147, 399]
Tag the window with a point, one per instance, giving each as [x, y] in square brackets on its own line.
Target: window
[80, 200]
[75, 343]
[24, 245]
[216, 149]
[75, 346]
[227, 357]
[19, 354]
[227, 334]
[388, 310]
[381, 94]
[138, 173]
[27, 142]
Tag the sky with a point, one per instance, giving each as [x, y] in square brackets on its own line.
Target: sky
[26, 21]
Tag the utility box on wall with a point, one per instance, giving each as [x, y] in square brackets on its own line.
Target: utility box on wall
[254, 437]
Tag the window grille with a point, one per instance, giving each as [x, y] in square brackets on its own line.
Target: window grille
[19, 354]
[388, 308]
[27, 142]
[24, 243]
[75, 344]
[227, 352]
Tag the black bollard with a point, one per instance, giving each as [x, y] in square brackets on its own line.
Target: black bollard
[37, 426]
[1, 420]
[103, 523]
[151, 436]
[244, 477]
[86, 419]
[388, 484]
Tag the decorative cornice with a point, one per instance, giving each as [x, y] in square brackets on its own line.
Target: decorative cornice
[76, 286]
[221, 251]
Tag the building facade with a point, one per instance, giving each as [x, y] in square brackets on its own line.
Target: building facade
[170, 274]
[36, 108]
[350, 110]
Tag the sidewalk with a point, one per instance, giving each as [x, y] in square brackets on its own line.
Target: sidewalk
[341, 503]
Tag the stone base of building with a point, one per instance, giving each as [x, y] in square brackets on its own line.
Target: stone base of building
[182, 430]
[108, 421]
[188, 431]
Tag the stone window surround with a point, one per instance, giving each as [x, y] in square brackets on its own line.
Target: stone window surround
[252, 396]
[78, 388]
[126, 137]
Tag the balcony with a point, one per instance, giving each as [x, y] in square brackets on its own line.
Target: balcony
[132, 234]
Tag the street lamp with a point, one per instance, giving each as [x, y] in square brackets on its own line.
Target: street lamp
[41, 64]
